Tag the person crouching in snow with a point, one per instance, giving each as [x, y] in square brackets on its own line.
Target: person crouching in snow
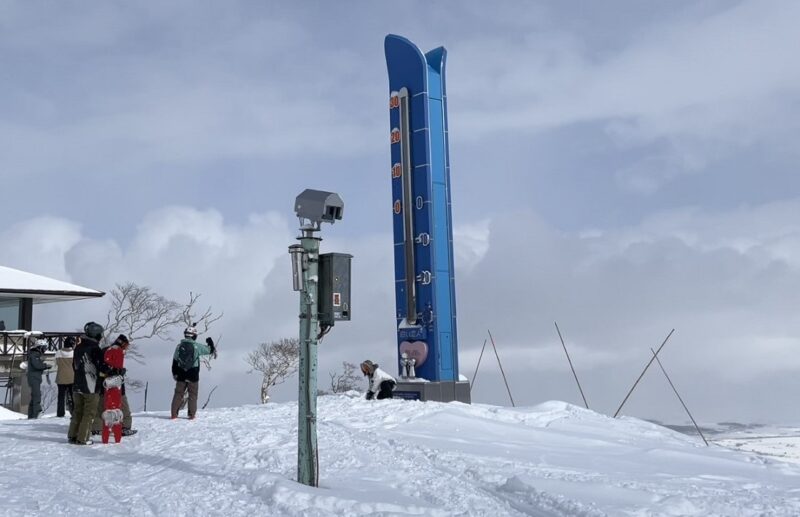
[380, 383]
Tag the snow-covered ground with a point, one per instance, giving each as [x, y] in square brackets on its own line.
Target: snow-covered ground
[390, 458]
[7, 414]
[776, 442]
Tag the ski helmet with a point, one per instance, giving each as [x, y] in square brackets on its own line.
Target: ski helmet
[39, 343]
[190, 332]
[93, 330]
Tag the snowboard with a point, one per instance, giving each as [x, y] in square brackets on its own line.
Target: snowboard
[112, 408]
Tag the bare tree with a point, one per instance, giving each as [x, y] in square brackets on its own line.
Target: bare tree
[275, 361]
[201, 321]
[345, 380]
[209, 397]
[140, 313]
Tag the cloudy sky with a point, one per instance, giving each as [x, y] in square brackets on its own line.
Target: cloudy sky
[623, 169]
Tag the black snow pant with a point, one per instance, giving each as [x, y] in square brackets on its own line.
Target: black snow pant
[386, 389]
[64, 399]
[35, 404]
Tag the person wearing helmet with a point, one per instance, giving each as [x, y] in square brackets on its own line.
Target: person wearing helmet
[380, 383]
[186, 369]
[87, 361]
[36, 366]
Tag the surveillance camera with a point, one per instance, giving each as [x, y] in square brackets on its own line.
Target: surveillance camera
[319, 206]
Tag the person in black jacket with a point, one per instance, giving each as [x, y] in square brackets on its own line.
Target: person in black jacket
[36, 366]
[88, 364]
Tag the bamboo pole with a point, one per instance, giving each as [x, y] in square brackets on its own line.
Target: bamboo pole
[475, 375]
[570, 365]
[643, 372]
[679, 397]
[501, 368]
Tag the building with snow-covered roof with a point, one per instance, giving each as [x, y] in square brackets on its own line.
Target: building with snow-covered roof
[19, 292]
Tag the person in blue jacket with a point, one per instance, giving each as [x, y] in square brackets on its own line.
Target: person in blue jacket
[186, 369]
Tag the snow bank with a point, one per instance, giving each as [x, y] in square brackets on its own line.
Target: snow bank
[390, 457]
[7, 414]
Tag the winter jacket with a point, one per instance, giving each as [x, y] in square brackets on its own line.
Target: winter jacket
[36, 366]
[199, 350]
[376, 378]
[65, 373]
[88, 364]
[192, 374]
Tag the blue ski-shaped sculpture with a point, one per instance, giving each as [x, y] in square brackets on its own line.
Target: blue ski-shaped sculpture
[423, 230]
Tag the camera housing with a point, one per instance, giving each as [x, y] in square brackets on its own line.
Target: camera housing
[318, 206]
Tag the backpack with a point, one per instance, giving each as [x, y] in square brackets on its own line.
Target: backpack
[185, 355]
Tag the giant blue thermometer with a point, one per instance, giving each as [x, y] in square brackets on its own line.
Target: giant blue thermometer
[423, 230]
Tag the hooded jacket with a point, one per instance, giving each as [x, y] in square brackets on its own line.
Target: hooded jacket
[36, 366]
[87, 361]
[376, 378]
[65, 373]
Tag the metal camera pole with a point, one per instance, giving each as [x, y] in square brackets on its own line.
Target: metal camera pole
[305, 260]
[312, 207]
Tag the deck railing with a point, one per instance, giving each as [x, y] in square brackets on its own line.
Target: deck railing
[16, 342]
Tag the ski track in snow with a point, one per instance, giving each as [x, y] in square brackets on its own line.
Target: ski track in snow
[390, 458]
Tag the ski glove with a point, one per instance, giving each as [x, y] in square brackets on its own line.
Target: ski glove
[210, 343]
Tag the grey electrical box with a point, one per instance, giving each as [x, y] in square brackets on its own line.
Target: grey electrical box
[334, 288]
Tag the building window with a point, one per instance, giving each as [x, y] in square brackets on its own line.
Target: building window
[9, 313]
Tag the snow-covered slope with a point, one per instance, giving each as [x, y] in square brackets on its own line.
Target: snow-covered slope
[390, 458]
[7, 414]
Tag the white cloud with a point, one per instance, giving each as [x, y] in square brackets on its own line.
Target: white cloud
[38, 245]
[764, 233]
[694, 76]
[471, 242]
[700, 88]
